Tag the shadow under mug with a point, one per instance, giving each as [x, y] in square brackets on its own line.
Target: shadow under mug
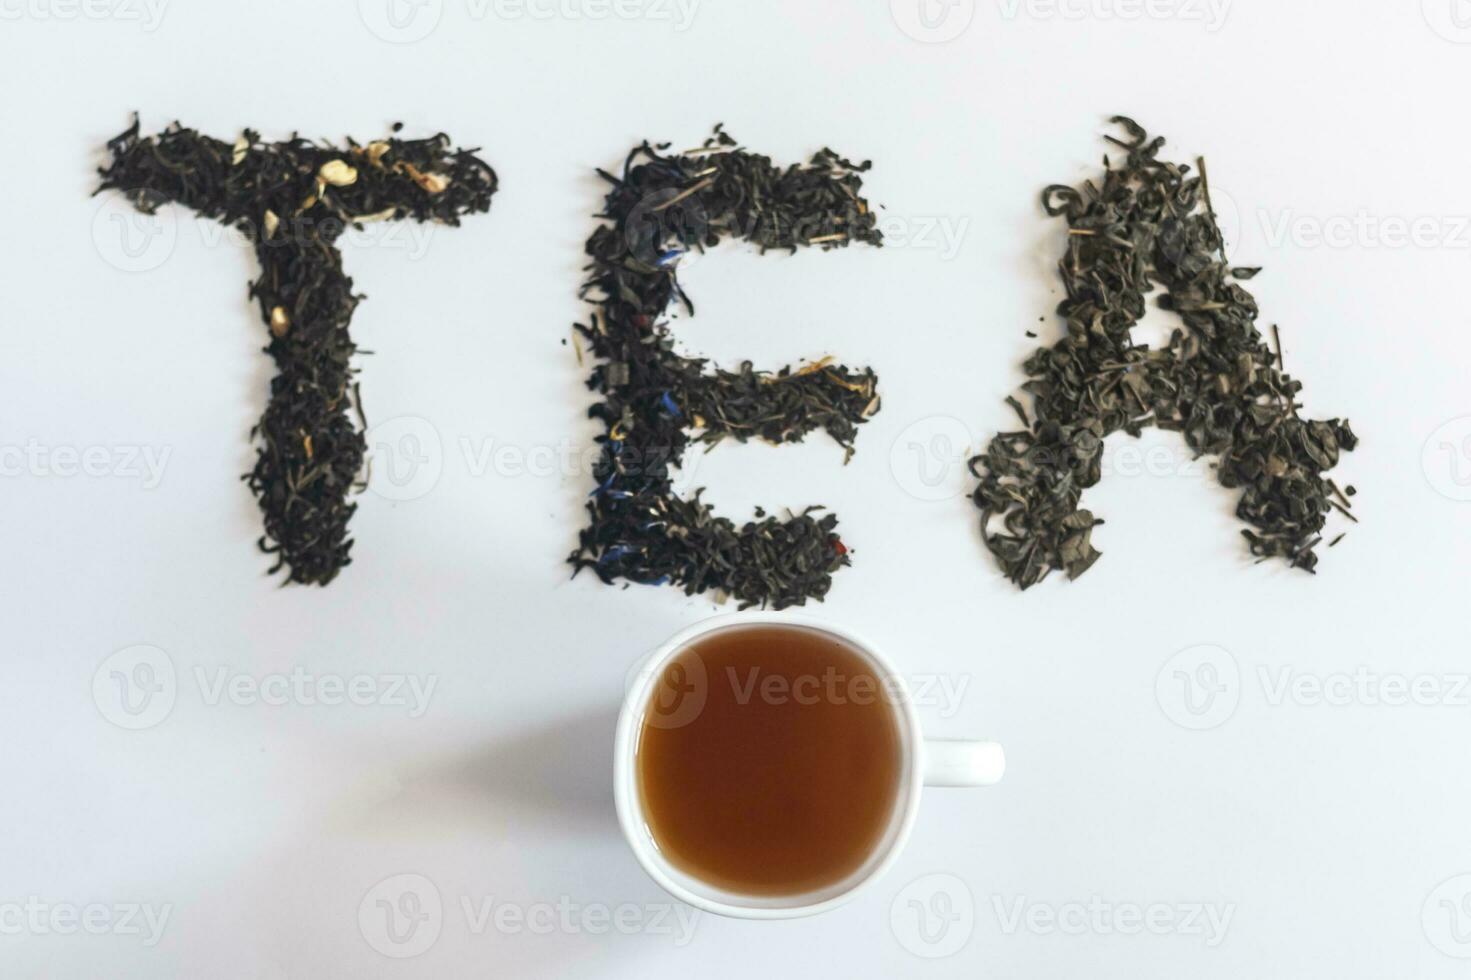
[925, 762]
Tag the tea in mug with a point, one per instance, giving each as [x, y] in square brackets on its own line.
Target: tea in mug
[770, 760]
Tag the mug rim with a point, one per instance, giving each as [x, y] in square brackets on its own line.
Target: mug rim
[630, 809]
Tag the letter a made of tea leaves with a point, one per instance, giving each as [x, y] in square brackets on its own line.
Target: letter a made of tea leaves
[1217, 382]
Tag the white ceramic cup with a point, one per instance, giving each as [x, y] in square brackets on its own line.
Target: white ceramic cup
[925, 762]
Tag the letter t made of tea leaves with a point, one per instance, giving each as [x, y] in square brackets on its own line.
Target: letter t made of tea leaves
[293, 200]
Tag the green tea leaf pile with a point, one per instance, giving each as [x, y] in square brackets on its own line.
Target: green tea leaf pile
[1149, 223]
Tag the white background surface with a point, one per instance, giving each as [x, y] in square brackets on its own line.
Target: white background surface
[1325, 830]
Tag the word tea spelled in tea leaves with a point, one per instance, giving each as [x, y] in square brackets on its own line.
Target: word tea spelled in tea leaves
[1217, 382]
[292, 200]
[655, 401]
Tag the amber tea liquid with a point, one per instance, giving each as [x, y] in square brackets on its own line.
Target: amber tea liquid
[770, 760]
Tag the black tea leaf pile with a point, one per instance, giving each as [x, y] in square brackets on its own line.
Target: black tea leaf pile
[655, 401]
[293, 200]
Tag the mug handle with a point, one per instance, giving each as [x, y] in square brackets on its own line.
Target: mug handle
[954, 762]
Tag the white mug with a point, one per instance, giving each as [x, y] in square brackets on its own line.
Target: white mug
[925, 762]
